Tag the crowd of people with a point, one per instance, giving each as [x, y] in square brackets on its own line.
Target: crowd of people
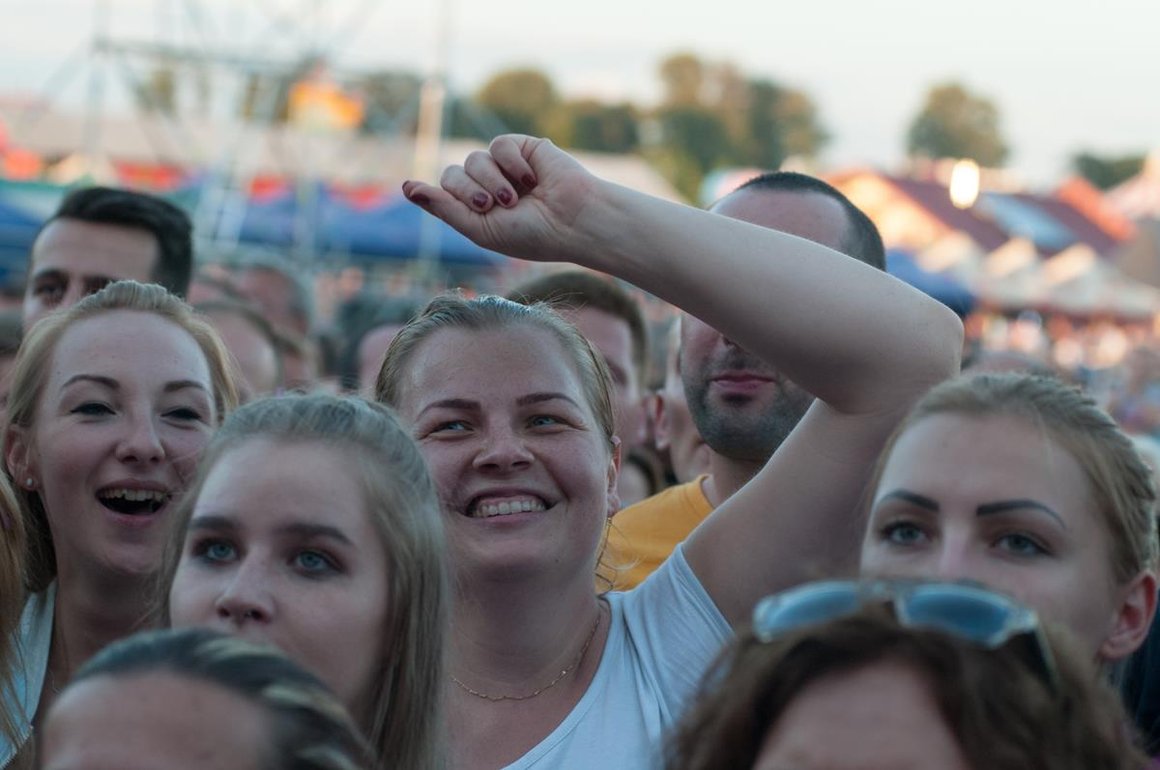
[473, 536]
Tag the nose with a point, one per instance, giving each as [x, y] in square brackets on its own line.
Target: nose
[141, 442]
[954, 563]
[246, 599]
[503, 449]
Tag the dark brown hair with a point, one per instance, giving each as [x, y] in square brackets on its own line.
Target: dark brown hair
[1004, 715]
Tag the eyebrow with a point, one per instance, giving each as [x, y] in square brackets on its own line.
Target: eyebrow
[922, 501]
[540, 398]
[49, 272]
[112, 384]
[1003, 506]
[465, 404]
[219, 523]
[986, 509]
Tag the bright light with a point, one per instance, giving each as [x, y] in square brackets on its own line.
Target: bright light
[965, 183]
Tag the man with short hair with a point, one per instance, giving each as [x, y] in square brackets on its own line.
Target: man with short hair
[742, 406]
[99, 235]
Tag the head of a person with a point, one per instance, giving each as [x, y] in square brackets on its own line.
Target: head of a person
[863, 690]
[213, 283]
[510, 406]
[741, 405]
[198, 700]
[313, 526]
[279, 291]
[365, 356]
[673, 430]
[1023, 484]
[99, 235]
[112, 402]
[612, 321]
[301, 372]
[252, 343]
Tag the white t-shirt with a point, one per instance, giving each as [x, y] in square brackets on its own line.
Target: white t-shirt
[664, 635]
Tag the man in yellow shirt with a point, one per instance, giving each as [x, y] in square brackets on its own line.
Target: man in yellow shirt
[742, 407]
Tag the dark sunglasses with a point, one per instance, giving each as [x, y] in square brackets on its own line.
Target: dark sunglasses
[965, 611]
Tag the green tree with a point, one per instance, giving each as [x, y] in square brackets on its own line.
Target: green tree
[954, 123]
[712, 115]
[1106, 172]
[588, 124]
[683, 76]
[521, 99]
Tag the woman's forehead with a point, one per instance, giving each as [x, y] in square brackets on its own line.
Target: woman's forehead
[992, 456]
[522, 353]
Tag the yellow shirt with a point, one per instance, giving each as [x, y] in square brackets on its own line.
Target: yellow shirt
[643, 535]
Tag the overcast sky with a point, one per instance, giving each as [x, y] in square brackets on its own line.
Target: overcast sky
[1066, 75]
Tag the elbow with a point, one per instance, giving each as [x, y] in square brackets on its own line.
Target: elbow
[944, 348]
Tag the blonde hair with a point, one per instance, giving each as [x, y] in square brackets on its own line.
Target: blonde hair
[1120, 481]
[30, 376]
[12, 545]
[404, 720]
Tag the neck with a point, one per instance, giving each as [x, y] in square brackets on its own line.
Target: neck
[91, 612]
[515, 636]
[726, 476]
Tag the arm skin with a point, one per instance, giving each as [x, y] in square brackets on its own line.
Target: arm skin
[865, 344]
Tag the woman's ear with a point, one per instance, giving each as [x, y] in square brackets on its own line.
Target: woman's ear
[18, 457]
[1133, 618]
[613, 477]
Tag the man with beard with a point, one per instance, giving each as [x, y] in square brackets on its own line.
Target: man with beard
[742, 407]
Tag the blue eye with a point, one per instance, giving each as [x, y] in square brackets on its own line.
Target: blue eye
[314, 562]
[545, 421]
[1021, 545]
[215, 551]
[902, 533]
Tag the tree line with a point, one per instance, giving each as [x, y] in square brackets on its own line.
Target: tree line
[710, 115]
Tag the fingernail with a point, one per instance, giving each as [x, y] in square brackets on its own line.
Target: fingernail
[419, 198]
[505, 197]
[480, 200]
[529, 180]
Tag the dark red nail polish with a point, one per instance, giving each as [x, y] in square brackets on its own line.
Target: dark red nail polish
[529, 180]
[419, 198]
[480, 200]
[505, 197]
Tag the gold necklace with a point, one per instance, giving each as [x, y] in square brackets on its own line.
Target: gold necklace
[549, 685]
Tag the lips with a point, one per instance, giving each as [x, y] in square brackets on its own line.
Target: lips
[741, 378]
[131, 500]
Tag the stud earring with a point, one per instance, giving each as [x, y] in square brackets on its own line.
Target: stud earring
[29, 482]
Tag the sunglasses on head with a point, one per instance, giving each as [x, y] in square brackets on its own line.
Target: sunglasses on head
[964, 611]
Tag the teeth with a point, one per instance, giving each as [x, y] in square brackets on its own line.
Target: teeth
[133, 495]
[507, 507]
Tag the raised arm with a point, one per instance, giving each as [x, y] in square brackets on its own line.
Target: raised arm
[864, 343]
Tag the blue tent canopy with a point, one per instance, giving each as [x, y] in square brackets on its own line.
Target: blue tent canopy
[18, 229]
[389, 229]
[393, 229]
[946, 290]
